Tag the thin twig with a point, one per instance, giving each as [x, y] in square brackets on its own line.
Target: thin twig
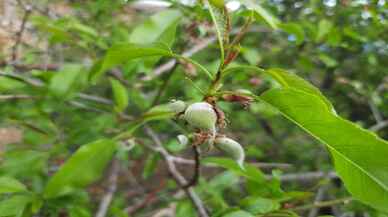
[84, 106]
[112, 186]
[11, 97]
[318, 198]
[304, 177]
[197, 168]
[29, 81]
[177, 176]
[324, 204]
[27, 67]
[190, 52]
[244, 29]
[94, 98]
[261, 165]
[150, 198]
[164, 85]
[119, 76]
[19, 34]
[375, 111]
[379, 126]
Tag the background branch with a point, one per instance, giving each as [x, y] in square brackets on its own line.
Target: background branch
[112, 186]
[176, 175]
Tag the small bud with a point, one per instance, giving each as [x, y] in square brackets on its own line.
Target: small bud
[232, 148]
[177, 106]
[241, 96]
[183, 140]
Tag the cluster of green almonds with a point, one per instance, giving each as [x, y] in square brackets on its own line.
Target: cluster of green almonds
[202, 115]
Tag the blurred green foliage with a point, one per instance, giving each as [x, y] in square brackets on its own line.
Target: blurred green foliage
[93, 72]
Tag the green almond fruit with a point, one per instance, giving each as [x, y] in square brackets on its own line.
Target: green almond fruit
[231, 148]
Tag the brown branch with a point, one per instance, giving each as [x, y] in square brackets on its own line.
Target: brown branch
[379, 126]
[164, 85]
[304, 177]
[197, 168]
[188, 53]
[150, 198]
[375, 111]
[176, 175]
[11, 97]
[27, 67]
[112, 186]
[262, 165]
[324, 204]
[318, 198]
[95, 98]
[19, 34]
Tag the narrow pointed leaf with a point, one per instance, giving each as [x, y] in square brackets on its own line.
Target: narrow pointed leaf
[158, 28]
[121, 53]
[220, 21]
[84, 167]
[287, 79]
[261, 13]
[11, 185]
[360, 157]
[14, 206]
[120, 95]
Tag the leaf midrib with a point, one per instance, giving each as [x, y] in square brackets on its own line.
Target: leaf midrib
[385, 187]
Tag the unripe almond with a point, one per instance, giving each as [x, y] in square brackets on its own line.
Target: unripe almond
[182, 139]
[202, 115]
[177, 106]
[232, 148]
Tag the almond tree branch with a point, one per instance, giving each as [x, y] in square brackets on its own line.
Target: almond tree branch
[318, 198]
[188, 53]
[379, 126]
[19, 34]
[17, 96]
[197, 168]
[112, 186]
[324, 204]
[176, 175]
[304, 177]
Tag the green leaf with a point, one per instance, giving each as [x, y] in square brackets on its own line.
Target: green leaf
[14, 206]
[327, 60]
[359, 155]
[11, 185]
[160, 27]
[287, 79]
[217, 3]
[295, 30]
[121, 53]
[249, 171]
[259, 205]
[261, 13]
[159, 112]
[66, 82]
[84, 167]
[220, 20]
[7, 84]
[150, 165]
[238, 213]
[23, 163]
[324, 27]
[120, 95]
